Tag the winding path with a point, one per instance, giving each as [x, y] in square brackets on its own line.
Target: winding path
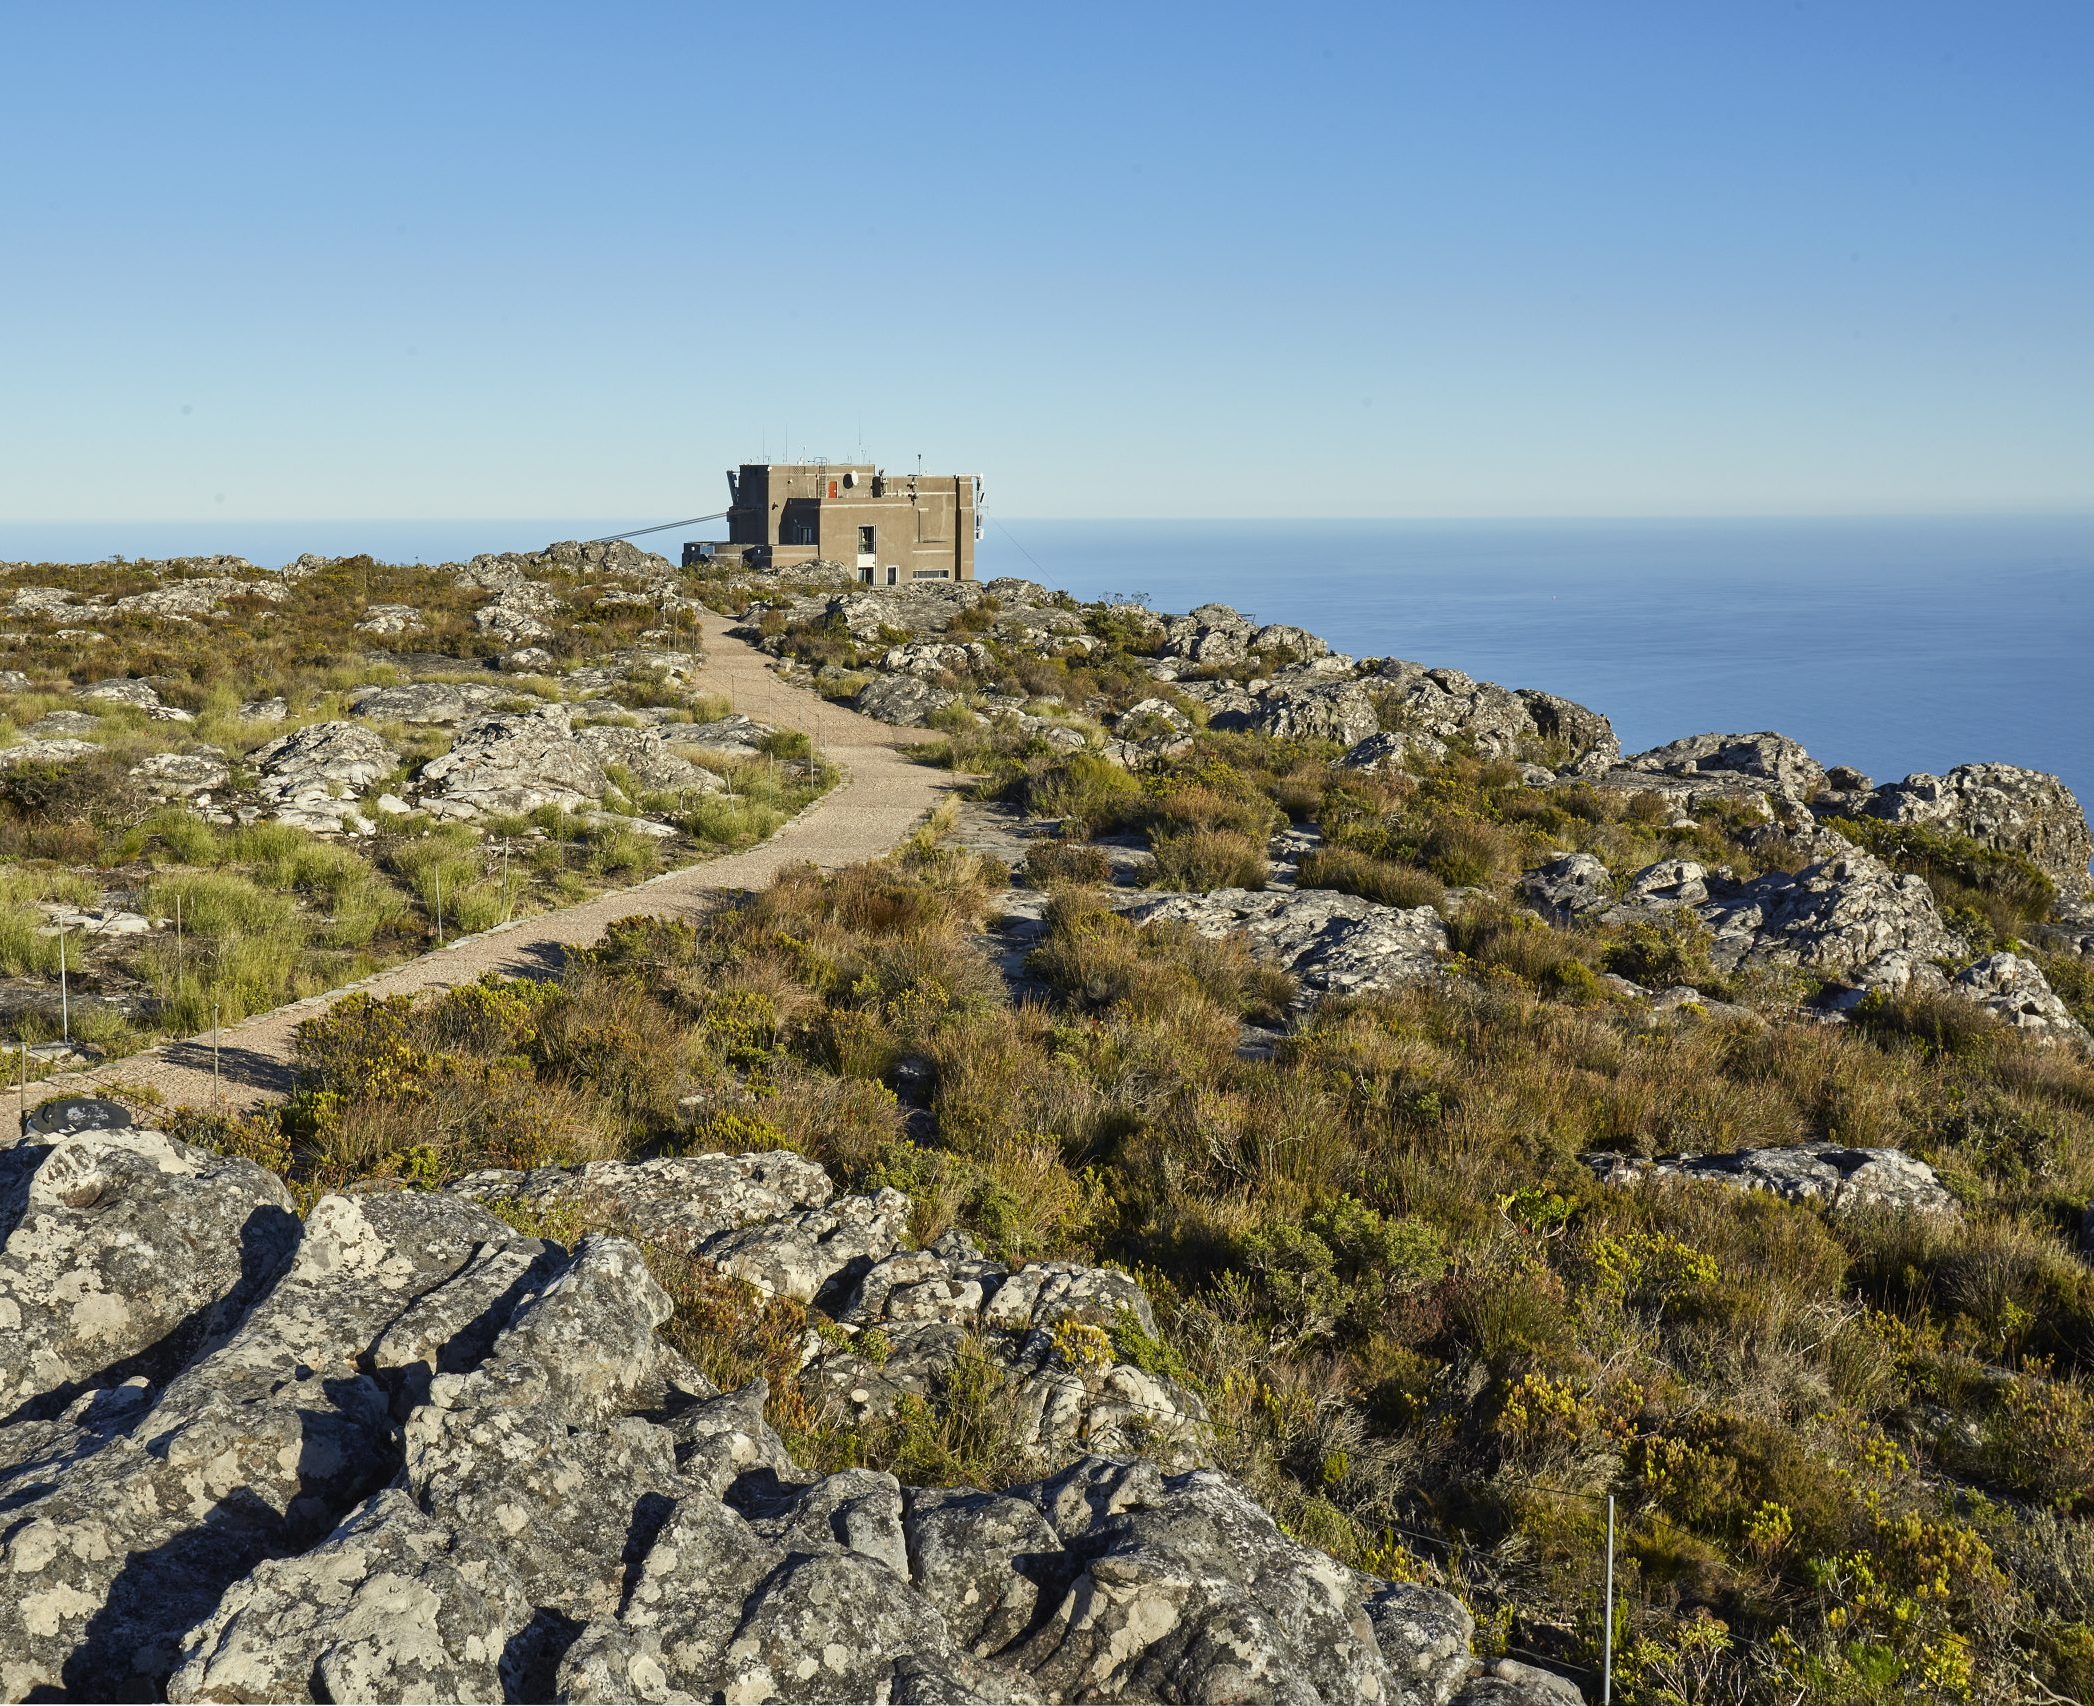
[883, 795]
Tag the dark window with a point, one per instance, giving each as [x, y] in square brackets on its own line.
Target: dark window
[866, 542]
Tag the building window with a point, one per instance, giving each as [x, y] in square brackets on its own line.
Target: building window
[866, 575]
[867, 542]
[894, 574]
[932, 575]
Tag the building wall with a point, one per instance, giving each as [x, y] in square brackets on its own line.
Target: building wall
[923, 527]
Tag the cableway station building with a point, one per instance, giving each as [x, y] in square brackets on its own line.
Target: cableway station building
[893, 529]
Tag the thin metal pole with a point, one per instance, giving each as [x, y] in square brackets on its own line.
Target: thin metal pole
[1607, 1617]
[439, 905]
[217, 1084]
[65, 1000]
[178, 935]
[22, 1088]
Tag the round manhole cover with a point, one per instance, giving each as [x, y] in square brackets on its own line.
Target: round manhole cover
[77, 1113]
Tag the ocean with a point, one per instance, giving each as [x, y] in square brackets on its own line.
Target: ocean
[1893, 645]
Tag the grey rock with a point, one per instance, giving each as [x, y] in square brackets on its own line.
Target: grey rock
[2016, 992]
[1824, 1174]
[401, 1451]
[1209, 634]
[731, 736]
[1848, 915]
[442, 702]
[125, 1249]
[391, 1606]
[387, 620]
[1574, 886]
[139, 695]
[1395, 749]
[183, 775]
[63, 725]
[187, 600]
[1497, 722]
[1337, 711]
[513, 762]
[1296, 645]
[1334, 944]
[1765, 761]
[903, 700]
[273, 710]
[313, 775]
[2005, 807]
[646, 753]
[46, 752]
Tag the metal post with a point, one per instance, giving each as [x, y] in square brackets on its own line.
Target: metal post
[178, 935]
[217, 1084]
[65, 1000]
[439, 905]
[1607, 1617]
[22, 1088]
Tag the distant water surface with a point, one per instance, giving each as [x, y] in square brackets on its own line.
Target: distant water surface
[1892, 645]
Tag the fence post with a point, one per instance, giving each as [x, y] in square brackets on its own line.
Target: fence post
[1607, 1617]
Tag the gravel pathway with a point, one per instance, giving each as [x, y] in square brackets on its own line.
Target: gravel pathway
[883, 795]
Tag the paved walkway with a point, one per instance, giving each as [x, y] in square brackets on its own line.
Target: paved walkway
[883, 795]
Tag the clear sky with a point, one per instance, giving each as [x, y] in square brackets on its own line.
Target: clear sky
[1467, 258]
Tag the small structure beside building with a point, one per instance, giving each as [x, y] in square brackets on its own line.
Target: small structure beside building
[893, 529]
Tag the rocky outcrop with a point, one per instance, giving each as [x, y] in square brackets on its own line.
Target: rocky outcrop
[194, 776]
[513, 762]
[2015, 991]
[1575, 886]
[774, 1221]
[1763, 763]
[1824, 1174]
[139, 695]
[2004, 807]
[46, 752]
[441, 702]
[389, 620]
[1209, 634]
[1497, 722]
[399, 1450]
[646, 754]
[904, 700]
[1332, 943]
[189, 600]
[1848, 915]
[1310, 709]
[314, 776]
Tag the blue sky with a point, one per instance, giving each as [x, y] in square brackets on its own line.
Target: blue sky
[1461, 259]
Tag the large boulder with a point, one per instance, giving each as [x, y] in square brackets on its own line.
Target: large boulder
[2026, 812]
[2015, 991]
[313, 776]
[1765, 762]
[1496, 722]
[399, 1450]
[513, 762]
[905, 700]
[646, 754]
[1332, 943]
[1337, 711]
[1211, 634]
[443, 702]
[1847, 915]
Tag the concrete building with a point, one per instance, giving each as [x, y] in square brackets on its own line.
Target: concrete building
[891, 529]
